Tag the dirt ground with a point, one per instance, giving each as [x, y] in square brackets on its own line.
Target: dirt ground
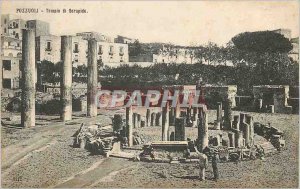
[43, 157]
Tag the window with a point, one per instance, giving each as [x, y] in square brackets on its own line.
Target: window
[111, 50]
[76, 48]
[100, 50]
[7, 83]
[4, 21]
[17, 35]
[7, 65]
[14, 33]
[48, 46]
[17, 25]
[4, 30]
[121, 51]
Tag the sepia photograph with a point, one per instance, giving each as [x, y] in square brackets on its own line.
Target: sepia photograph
[149, 94]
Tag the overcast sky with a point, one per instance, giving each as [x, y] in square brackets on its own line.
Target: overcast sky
[182, 23]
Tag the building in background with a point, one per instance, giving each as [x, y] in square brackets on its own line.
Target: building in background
[11, 56]
[94, 35]
[287, 33]
[176, 54]
[11, 53]
[48, 48]
[125, 40]
[294, 53]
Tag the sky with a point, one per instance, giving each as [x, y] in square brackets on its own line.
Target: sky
[177, 22]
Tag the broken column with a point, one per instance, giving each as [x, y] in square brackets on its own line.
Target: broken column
[143, 122]
[165, 123]
[219, 116]
[180, 129]
[202, 128]
[158, 119]
[153, 119]
[227, 115]
[138, 122]
[195, 117]
[148, 117]
[236, 122]
[231, 137]
[242, 120]
[134, 116]
[188, 117]
[259, 104]
[28, 79]
[238, 139]
[129, 124]
[249, 121]
[117, 123]
[172, 116]
[92, 75]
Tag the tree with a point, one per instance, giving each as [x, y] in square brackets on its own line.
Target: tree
[135, 48]
[261, 42]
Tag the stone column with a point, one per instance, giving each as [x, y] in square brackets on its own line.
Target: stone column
[143, 123]
[172, 116]
[134, 116]
[92, 75]
[158, 119]
[227, 114]
[138, 125]
[242, 121]
[28, 79]
[246, 133]
[249, 121]
[236, 122]
[202, 128]
[177, 111]
[231, 137]
[148, 118]
[180, 129]
[258, 104]
[129, 123]
[117, 122]
[238, 139]
[188, 117]
[219, 116]
[153, 119]
[66, 78]
[165, 123]
[195, 117]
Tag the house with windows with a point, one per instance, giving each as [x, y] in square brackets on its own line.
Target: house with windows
[11, 52]
[49, 48]
[11, 43]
